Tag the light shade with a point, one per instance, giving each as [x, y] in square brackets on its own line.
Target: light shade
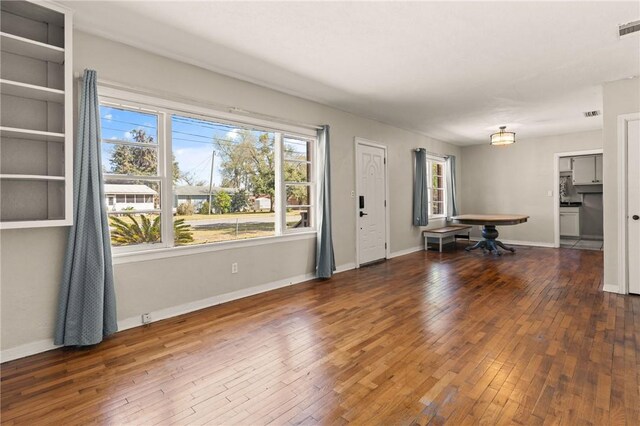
[502, 137]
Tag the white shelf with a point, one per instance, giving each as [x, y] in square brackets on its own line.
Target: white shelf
[24, 90]
[31, 177]
[31, 48]
[13, 132]
[42, 223]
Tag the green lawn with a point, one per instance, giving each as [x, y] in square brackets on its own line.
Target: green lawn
[230, 230]
[244, 215]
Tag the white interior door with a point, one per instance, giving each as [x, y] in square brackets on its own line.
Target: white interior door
[633, 204]
[371, 209]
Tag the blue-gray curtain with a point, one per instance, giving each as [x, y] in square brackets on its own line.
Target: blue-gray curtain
[420, 190]
[450, 172]
[87, 303]
[325, 259]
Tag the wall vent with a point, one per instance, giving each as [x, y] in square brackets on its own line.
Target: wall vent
[631, 27]
[591, 114]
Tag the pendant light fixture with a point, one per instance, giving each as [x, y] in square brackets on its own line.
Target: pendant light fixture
[502, 137]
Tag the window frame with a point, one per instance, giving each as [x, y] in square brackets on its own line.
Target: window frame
[311, 183]
[166, 232]
[431, 159]
[165, 109]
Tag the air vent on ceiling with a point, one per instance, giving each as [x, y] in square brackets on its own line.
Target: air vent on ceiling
[591, 114]
[629, 28]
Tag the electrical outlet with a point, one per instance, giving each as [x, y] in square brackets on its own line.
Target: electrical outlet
[146, 318]
[353, 194]
[234, 268]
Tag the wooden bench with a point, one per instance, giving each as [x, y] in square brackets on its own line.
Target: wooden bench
[448, 233]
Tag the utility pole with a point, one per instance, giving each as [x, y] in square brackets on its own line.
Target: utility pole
[213, 159]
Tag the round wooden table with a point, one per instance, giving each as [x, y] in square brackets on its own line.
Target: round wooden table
[489, 231]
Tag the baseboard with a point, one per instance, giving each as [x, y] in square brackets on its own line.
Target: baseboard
[345, 267]
[33, 348]
[186, 308]
[610, 288]
[27, 349]
[405, 251]
[521, 243]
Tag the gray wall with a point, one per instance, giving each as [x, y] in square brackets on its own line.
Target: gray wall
[591, 216]
[619, 97]
[516, 179]
[30, 259]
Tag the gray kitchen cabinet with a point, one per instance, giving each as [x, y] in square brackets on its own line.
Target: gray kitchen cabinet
[599, 169]
[587, 170]
[570, 221]
[565, 164]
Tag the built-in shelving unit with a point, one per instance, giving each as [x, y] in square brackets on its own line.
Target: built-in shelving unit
[36, 121]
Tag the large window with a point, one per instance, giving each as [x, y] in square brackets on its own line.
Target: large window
[175, 179]
[437, 189]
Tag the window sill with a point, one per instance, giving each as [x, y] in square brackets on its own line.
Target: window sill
[161, 253]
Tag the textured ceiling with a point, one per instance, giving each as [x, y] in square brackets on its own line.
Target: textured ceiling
[452, 70]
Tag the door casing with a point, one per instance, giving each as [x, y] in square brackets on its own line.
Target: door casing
[623, 252]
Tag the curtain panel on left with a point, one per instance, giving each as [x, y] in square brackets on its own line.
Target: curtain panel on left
[87, 302]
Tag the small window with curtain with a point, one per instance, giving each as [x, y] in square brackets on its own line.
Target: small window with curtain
[436, 180]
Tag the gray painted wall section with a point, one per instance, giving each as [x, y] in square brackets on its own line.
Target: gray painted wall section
[516, 179]
[619, 97]
[591, 216]
[31, 259]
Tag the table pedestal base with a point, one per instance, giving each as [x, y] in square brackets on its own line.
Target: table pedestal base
[490, 233]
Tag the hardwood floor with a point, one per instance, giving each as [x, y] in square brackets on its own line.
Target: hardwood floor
[426, 338]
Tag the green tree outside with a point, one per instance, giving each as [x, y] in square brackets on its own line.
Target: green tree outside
[222, 202]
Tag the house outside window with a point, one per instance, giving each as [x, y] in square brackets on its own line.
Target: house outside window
[177, 178]
[436, 181]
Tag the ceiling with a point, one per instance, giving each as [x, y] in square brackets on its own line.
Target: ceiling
[454, 71]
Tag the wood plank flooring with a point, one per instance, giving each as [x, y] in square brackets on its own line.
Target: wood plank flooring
[427, 338]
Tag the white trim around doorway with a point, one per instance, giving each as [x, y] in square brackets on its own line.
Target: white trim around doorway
[556, 186]
[623, 273]
[362, 141]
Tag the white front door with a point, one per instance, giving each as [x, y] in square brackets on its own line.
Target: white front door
[371, 203]
[633, 204]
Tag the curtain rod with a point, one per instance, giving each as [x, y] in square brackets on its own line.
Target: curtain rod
[175, 97]
[434, 154]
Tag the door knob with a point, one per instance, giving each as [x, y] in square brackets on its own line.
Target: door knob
[362, 214]
[635, 217]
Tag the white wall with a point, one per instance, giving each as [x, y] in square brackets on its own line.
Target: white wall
[31, 259]
[619, 97]
[516, 179]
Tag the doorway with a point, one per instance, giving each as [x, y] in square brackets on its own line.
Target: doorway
[371, 202]
[579, 200]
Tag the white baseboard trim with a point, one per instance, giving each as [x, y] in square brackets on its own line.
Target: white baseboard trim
[610, 288]
[405, 251]
[39, 346]
[186, 308]
[521, 243]
[345, 267]
[27, 349]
